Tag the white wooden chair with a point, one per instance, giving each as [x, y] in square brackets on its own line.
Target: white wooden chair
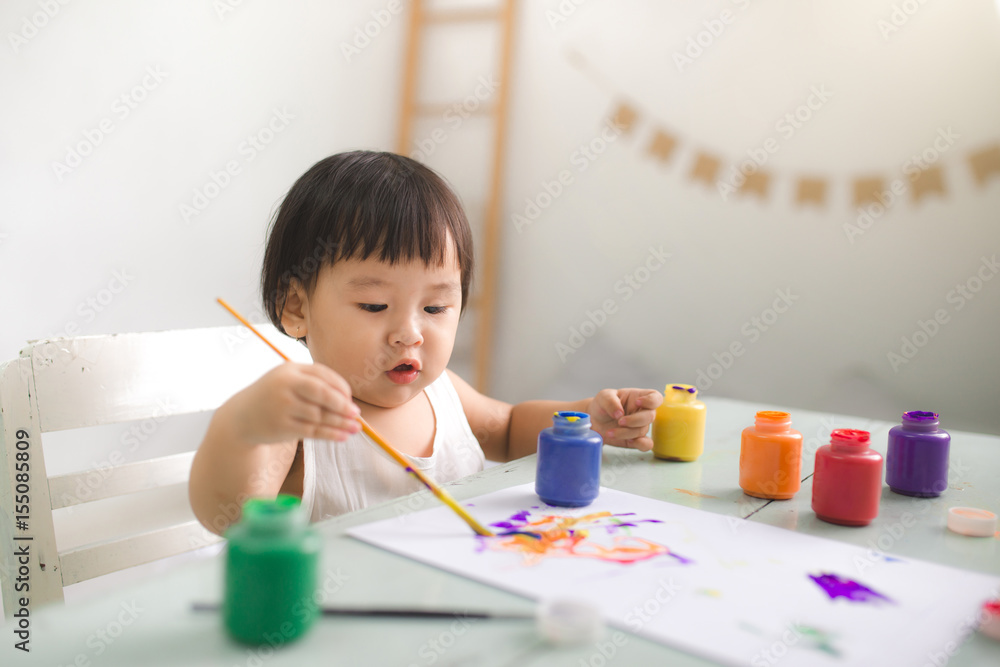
[73, 383]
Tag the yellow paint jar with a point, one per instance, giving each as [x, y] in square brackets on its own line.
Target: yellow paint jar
[679, 425]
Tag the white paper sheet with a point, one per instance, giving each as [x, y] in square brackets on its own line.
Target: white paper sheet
[731, 590]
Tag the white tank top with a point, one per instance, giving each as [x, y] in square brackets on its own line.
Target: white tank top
[340, 477]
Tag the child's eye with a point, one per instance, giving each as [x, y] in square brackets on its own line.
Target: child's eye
[435, 310]
[372, 307]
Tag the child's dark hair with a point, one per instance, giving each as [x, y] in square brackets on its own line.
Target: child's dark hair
[357, 205]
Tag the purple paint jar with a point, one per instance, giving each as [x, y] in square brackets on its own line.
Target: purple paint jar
[917, 460]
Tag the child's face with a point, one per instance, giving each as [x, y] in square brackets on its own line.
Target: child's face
[387, 329]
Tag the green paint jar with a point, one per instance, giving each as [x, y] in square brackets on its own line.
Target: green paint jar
[272, 564]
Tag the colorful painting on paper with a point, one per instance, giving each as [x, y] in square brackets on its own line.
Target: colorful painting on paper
[686, 577]
[602, 536]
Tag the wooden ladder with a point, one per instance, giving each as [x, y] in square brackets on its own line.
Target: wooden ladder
[411, 110]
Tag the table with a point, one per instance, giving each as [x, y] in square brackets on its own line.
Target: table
[151, 623]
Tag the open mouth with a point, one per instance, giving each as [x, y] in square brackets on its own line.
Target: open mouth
[404, 373]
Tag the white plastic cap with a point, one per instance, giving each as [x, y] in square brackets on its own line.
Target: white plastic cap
[972, 521]
[569, 621]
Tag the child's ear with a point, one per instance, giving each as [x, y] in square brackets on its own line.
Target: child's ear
[295, 310]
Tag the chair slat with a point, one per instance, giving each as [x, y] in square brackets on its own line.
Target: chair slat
[69, 383]
[97, 484]
[93, 380]
[19, 423]
[95, 560]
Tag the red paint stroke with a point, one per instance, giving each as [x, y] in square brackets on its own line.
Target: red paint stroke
[695, 493]
[553, 536]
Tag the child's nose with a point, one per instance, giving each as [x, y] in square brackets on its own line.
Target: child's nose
[407, 334]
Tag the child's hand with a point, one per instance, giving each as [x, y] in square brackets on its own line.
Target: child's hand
[295, 401]
[623, 416]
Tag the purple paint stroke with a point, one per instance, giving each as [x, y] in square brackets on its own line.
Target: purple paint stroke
[514, 521]
[518, 520]
[838, 587]
[537, 536]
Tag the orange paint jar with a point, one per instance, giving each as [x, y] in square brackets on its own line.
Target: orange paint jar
[771, 457]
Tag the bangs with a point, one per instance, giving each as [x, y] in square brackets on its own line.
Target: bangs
[359, 205]
[401, 219]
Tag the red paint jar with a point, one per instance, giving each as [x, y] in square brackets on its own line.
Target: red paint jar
[847, 482]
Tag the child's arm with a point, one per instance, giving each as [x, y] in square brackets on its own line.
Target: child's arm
[507, 432]
[251, 441]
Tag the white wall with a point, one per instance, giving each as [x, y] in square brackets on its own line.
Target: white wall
[224, 77]
[854, 300]
[63, 240]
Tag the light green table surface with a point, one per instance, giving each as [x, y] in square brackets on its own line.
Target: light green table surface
[162, 630]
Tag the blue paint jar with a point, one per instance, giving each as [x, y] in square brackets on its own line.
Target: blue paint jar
[569, 461]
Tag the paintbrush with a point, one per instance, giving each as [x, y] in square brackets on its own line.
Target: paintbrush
[440, 493]
[559, 620]
[394, 612]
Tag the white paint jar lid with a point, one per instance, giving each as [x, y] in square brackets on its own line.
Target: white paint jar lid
[972, 521]
[569, 621]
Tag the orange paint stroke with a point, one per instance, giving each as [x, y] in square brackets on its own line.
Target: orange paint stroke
[695, 493]
[571, 537]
